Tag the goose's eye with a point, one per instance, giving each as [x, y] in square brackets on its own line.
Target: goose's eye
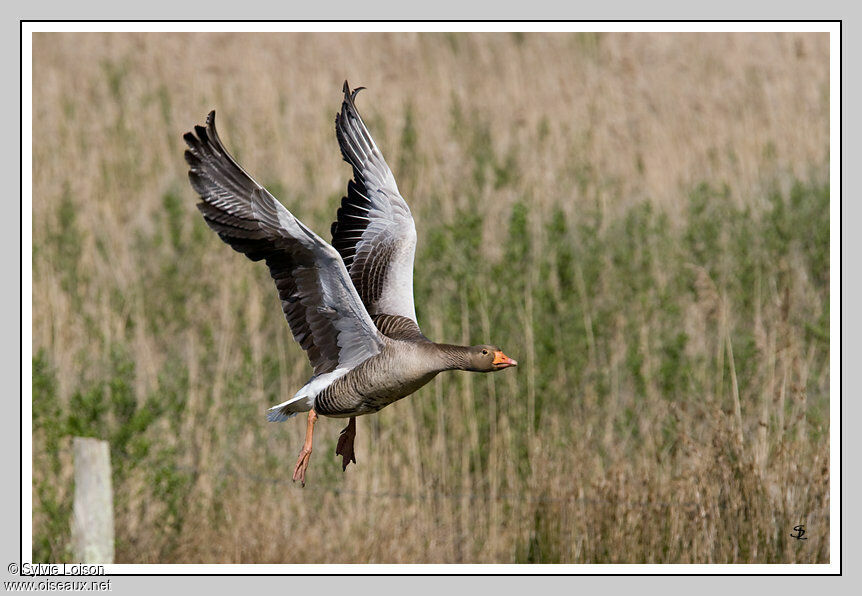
[484, 352]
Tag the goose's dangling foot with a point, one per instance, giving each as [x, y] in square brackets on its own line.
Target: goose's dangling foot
[345, 444]
[305, 454]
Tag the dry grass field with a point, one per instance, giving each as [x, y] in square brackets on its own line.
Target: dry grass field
[640, 219]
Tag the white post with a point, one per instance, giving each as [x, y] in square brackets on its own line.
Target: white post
[93, 513]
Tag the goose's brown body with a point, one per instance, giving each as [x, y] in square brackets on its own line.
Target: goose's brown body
[396, 372]
[400, 369]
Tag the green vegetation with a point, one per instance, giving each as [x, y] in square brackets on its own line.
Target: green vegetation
[643, 279]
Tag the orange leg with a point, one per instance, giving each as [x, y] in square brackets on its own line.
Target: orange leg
[345, 444]
[305, 454]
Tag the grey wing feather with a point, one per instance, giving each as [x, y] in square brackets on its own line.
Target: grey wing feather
[321, 305]
[374, 232]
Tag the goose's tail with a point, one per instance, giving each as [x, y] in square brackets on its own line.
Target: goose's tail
[303, 401]
[289, 409]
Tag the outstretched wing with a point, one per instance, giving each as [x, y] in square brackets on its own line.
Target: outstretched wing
[319, 300]
[374, 232]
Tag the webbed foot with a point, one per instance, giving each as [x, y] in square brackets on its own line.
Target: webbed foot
[345, 444]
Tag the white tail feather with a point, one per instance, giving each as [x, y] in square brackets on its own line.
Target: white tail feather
[303, 401]
[277, 414]
[289, 409]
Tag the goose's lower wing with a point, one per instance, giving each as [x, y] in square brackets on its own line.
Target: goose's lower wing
[322, 307]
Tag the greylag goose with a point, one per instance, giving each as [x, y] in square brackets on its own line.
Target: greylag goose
[349, 304]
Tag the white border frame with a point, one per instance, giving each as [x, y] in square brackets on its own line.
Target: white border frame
[833, 28]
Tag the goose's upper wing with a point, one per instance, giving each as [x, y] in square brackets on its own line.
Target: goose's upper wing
[321, 305]
[374, 232]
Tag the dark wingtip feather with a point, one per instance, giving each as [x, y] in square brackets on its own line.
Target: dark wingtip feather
[197, 182]
[194, 148]
[190, 158]
[211, 129]
[349, 95]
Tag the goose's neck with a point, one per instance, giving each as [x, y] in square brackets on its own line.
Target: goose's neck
[452, 357]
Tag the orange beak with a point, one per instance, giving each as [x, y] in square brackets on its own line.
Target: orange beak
[503, 361]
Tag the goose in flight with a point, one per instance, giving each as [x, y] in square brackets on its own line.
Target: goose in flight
[349, 304]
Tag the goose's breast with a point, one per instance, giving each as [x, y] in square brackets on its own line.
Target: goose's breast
[373, 385]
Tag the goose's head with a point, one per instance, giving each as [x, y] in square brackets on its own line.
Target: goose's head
[489, 358]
